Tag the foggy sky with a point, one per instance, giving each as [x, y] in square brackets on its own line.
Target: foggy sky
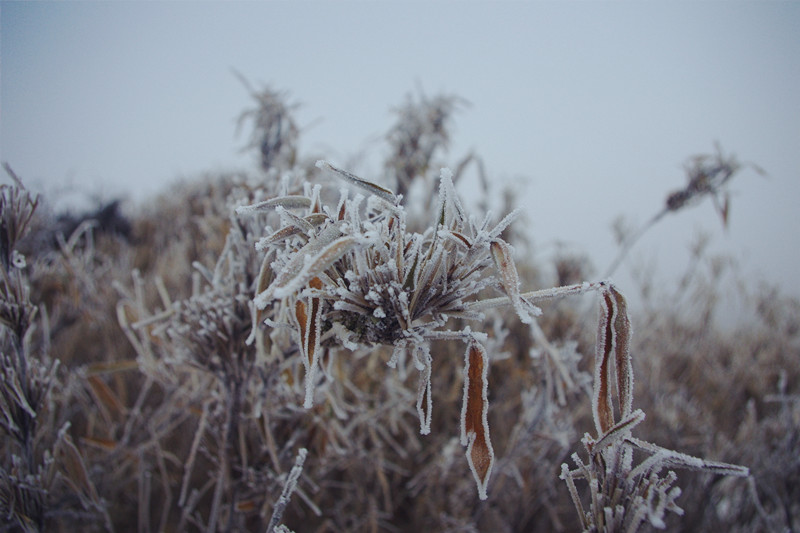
[588, 109]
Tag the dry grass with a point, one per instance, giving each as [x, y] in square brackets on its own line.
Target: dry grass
[320, 361]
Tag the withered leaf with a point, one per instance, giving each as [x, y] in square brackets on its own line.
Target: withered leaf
[309, 321]
[602, 408]
[107, 400]
[302, 322]
[624, 364]
[474, 421]
[104, 444]
[287, 202]
[308, 263]
[613, 340]
[501, 253]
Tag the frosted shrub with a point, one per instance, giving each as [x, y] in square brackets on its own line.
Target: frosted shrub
[42, 473]
[352, 276]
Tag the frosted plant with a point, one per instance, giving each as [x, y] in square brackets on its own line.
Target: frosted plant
[274, 132]
[625, 496]
[42, 472]
[419, 134]
[353, 276]
[707, 176]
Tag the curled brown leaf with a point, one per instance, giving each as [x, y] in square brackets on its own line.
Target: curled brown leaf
[474, 421]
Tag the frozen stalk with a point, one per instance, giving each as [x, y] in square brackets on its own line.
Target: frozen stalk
[286, 495]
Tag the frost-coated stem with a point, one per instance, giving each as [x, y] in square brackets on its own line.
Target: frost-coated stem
[288, 489]
[538, 296]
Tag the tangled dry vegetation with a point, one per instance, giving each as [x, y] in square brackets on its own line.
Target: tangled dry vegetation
[306, 350]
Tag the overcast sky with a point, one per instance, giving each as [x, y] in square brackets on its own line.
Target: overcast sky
[590, 108]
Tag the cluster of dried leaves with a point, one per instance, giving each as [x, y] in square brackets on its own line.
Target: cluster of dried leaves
[224, 370]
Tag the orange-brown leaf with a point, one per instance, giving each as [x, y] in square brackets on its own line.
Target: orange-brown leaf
[309, 320]
[108, 401]
[474, 421]
[302, 321]
[246, 506]
[480, 457]
[474, 390]
[112, 367]
[613, 341]
[312, 342]
[602, 408]
[624, 366]
[104, 444]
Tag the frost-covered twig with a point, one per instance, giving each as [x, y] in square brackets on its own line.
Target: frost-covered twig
[288, 489]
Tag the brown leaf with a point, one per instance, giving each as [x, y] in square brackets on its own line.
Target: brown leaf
[105, 397]
[246, 506]
[309, 320]
[474, 421]
[104, 444]
[622, 355]
[312, 342]
[613, 340]
[316, 219]
[602, 408]
[112, 367]
[302, 321]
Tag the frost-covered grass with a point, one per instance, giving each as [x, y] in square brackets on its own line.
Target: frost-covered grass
[309, 349]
